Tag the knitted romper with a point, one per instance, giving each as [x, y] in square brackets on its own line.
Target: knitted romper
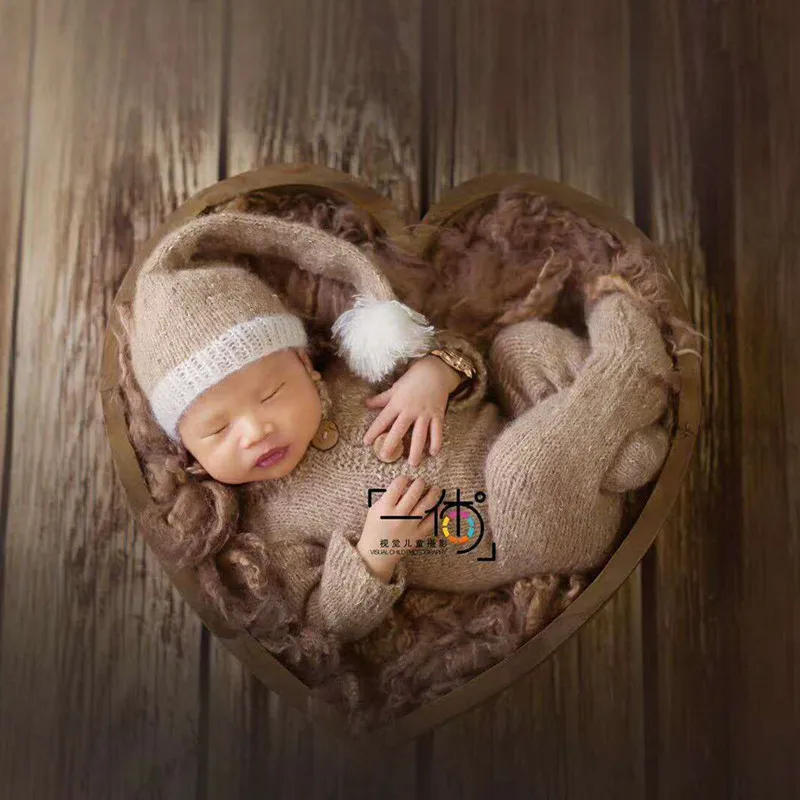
[584, 432]
[574, 427]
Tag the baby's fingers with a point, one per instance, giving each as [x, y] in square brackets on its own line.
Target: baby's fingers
[428, 502]
[379, 424]
[395, 436]
[436, 435]
[396, 489]
[418, 441]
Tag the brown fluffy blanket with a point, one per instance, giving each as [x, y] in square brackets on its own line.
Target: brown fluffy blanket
[516, 257]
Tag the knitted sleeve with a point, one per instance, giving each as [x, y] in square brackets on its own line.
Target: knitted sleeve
[332, 588]
[474, 391]
[353, 601]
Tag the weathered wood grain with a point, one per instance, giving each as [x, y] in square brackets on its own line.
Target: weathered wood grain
[724, 98]
[544, 88]
[330, 83]
[767, 249]
[687, 178]
[335, 84]
[16, 50]
[99, 682]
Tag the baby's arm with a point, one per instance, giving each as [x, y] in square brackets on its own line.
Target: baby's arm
[341, 595]
[474, 391]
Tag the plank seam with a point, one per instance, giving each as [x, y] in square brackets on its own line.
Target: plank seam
[204, 700]
[638, 28]
[5, 490]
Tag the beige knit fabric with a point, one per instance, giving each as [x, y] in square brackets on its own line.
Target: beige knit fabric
[584, 423]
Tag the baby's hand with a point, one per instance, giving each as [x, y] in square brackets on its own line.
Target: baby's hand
[402, 498]
[420, 397]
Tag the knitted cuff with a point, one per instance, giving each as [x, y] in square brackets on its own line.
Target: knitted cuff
[354, 600]
[474, 391]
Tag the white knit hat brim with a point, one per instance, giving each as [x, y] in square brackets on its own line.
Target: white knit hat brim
[233, 350]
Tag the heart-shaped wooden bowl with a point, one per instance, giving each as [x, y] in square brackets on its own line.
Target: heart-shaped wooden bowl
[458, 201]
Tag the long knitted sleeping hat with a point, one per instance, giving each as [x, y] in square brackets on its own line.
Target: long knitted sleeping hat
[197, 318]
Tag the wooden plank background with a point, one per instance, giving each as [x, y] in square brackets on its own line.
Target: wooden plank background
[684, 114]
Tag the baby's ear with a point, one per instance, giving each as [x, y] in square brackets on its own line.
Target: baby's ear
[305, 357]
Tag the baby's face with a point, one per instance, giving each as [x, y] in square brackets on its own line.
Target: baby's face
[269, 404]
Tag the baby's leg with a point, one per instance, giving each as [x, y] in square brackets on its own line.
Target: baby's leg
[530, 360]
[546, 475]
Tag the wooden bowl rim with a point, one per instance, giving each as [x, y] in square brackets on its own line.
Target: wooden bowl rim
[456, 201]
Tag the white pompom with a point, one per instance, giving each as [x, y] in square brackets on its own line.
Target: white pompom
[375, 335]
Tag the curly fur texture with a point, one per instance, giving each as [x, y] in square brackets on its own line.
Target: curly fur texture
[518, 257]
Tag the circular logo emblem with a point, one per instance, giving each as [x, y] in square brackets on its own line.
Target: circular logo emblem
[469, 526]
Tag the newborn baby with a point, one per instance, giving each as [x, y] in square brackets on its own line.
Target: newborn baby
[423, 484]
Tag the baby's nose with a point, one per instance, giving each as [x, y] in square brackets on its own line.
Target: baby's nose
[254, 430]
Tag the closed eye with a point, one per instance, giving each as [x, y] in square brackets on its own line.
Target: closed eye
[214, 433]
[264, 400]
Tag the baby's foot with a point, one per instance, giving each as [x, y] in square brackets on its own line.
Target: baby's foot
[638, 461]
[628, 347]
